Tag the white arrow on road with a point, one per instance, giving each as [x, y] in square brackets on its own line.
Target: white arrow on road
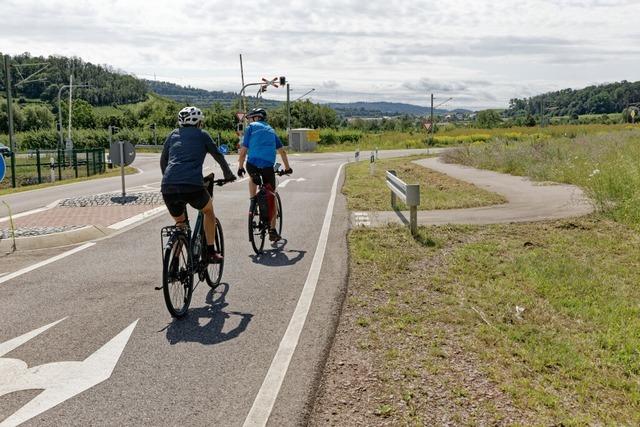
[287, 181]
[59, 381]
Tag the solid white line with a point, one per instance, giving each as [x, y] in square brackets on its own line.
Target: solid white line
[45, 262]
[263, 404]
[139, 217]
[33, 211]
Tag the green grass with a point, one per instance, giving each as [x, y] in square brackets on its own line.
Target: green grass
[439, 315]
[606, 165]
[437, 191]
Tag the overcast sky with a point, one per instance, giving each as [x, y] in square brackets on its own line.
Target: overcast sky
[480, 53]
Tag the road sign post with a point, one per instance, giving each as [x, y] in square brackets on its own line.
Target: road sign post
[122, 153]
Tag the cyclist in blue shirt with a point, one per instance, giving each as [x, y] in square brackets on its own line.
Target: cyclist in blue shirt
[181, 163]
[261, 143]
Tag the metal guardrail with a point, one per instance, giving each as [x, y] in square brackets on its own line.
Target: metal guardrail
[408, 193]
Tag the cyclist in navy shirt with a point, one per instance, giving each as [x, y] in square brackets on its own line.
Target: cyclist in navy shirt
[181, 163]
[261, 143]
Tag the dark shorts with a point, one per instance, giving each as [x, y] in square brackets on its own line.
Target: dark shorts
[176, 202]
[260, 175]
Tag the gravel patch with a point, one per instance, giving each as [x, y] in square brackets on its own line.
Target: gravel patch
[114, 199]
[36, 231]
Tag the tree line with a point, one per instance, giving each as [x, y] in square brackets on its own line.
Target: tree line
[598, 99]
[108, 86]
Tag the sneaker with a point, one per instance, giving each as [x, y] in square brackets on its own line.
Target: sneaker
[273, 235]
[215, 258]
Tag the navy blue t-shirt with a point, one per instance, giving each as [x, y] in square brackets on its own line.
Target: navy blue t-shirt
[182, 158]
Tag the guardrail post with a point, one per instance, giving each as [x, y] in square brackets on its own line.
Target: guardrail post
[74, 157]
[86, 155]
[393, 195]
[59, 165]
[413, 200]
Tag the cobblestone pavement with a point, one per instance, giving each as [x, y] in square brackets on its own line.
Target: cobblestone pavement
[101, 210]
[114, 199]
[35, 231]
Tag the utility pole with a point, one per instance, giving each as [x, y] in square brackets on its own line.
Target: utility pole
[288, 111]
[244, 102]
[432, 124]
[7, 74]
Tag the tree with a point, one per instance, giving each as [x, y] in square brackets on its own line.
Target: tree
[488, 119]
[37, 117]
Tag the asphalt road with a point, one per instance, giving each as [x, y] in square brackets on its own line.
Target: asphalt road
[149, 177]
[117, 358]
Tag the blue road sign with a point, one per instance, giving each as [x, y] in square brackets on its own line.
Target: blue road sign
[2, 167]
[223, 149]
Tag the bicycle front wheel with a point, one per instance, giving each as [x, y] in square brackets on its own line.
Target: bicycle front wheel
[177, 277]
[278, 226]
[257, 230]
[213, 272]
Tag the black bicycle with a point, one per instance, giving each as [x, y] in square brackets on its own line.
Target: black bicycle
[259, 216]
[185, 254]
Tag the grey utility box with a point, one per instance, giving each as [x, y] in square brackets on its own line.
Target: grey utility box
[303, 140]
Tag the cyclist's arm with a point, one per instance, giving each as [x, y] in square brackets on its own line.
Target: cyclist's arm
[282, 152]
[242, 154]
[283, 156]
[164, 157]
[217, 155]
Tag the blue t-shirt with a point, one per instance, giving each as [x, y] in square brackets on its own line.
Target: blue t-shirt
[262, 143]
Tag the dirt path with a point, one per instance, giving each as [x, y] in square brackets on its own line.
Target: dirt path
[527, 200]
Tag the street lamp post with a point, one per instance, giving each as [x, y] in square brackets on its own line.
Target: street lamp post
[61, 142]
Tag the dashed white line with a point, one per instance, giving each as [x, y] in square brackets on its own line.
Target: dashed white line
[263, 404]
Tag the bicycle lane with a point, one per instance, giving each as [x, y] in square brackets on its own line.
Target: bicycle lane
[206, 369]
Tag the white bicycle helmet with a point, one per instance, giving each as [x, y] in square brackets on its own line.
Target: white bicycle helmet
[190, 116]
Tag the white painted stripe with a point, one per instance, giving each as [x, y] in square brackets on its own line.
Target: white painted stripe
[33, 211]
[139, 217]
[263, 404]
[45, 262]
[284, 183]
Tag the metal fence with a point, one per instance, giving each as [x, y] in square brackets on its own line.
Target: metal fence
[42, 166]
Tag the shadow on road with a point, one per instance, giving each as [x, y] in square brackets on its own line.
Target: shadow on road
[193, 328]
[278, 257]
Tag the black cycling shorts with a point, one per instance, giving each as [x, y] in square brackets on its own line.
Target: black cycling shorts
[260, 175]
[176, 202]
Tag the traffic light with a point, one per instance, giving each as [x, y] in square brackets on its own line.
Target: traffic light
[283, 80]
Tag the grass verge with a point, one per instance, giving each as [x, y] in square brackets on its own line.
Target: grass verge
[128, 170]
[533, 324]
[437, 191]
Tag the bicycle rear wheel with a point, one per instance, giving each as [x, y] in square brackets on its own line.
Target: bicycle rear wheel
[257, 230]
[177, 278]
[213, 272]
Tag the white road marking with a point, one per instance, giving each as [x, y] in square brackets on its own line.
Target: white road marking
[139, 217]
[45, 262]
[59, 381]
[33, 211]
[263, 404]
[287, 181]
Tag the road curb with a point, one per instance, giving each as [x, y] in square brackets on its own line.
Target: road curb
[64, 238]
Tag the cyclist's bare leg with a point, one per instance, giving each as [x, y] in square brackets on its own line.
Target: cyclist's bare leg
[209, 223]
[253, 188]
[179, 220]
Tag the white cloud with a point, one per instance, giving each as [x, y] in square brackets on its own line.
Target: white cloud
[480, 53]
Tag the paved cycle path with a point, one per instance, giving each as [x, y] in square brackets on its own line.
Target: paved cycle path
[526, 200]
